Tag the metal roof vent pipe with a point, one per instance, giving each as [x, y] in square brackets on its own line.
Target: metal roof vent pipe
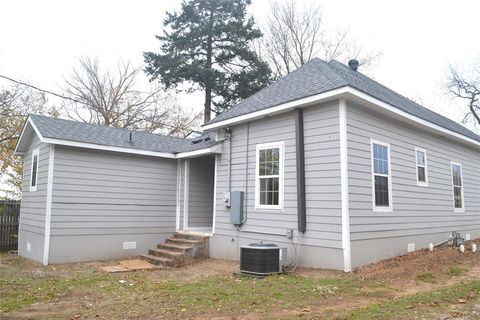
[353, 64]
[130, 137]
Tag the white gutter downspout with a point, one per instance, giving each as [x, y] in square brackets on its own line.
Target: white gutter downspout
[346, 245]
[48, 205]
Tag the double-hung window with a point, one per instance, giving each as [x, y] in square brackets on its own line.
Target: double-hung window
[421, 165]
[34, 170]
[457, 185]
[381, 176]
[269, 176]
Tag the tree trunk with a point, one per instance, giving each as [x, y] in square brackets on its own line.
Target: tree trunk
[207, 111]
[208, 104]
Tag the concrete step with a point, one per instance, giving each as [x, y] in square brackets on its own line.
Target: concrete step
[169, 254]
[175, 247]
[189, 236]
[182, 241]
[159, 261]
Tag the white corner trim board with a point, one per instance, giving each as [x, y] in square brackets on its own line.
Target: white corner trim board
[178, 195]
[186, 187]
[214, 194]
[346, 245]
[48, 205]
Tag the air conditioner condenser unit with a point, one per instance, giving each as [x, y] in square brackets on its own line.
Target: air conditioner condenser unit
[262, 259]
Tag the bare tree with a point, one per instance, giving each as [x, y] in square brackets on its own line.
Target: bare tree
[111, 98]
[466, 87]
[295, 36]
[16, 102]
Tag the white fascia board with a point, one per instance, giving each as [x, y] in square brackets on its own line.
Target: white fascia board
[344, 92]
[303, 102]
[212, 150]
[424, 123]
[107, 148]
[22, 135]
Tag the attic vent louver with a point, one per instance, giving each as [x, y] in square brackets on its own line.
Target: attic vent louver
[353, 64]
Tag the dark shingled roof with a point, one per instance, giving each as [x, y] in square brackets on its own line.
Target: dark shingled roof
[116, 137]
[318, 76]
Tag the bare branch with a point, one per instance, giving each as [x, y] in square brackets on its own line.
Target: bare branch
[295, 36]
[466, 88]
[112, 99]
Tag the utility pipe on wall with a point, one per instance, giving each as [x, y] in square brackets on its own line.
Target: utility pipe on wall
[300, 152]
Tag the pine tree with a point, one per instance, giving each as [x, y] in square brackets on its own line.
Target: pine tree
[208, 45]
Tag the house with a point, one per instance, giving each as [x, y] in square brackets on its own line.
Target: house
[353, 170]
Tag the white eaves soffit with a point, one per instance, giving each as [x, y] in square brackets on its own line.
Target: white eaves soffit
[353, 95]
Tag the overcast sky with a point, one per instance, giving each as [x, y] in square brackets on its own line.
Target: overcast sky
[40, 41]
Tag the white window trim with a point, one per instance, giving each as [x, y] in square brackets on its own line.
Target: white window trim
[390, 203]
[421, 183]
[35, 152]
[263, 146]
[462, 209]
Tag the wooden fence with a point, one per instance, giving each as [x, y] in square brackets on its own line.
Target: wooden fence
[9, 219]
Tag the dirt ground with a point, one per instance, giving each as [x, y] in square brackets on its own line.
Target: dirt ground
[443, 284]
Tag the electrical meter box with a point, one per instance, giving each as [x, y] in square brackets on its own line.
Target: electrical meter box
[236, 208]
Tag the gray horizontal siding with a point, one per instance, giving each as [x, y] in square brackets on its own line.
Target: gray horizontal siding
[200, 200]
[110, 196]
[33, 203]
[421, 214]
[321, 129]
[89, 183]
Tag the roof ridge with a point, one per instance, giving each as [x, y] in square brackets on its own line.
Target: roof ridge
[330, 67]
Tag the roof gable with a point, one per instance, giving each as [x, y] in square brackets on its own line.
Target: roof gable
[312, 78]
[53, 130]
[317, 77]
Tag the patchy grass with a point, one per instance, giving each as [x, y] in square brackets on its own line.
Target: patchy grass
[426, 277]
[454, 271]
[425, 304]
[140, 294]
[210, 289]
